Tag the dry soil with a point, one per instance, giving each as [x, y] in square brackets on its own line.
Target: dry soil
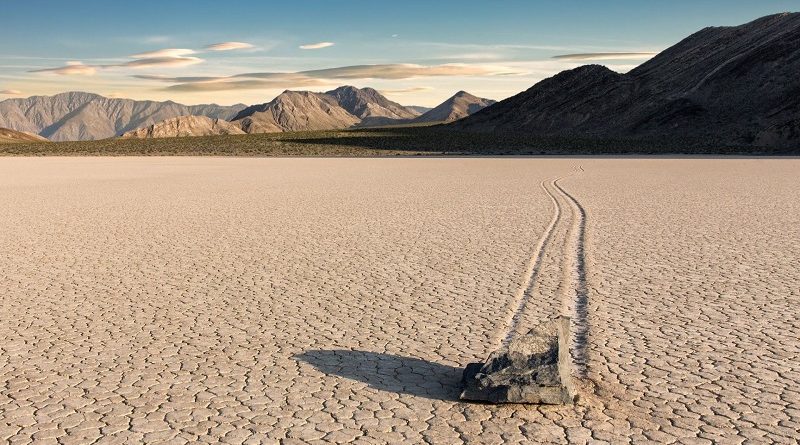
[272, 300]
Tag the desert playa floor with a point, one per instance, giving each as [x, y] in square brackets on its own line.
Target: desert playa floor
[258, 300]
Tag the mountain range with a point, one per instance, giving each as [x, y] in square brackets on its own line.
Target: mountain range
[734, 85]
[86, 116]
[347, 107]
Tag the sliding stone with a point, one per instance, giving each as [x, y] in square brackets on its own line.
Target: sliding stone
[533, 368]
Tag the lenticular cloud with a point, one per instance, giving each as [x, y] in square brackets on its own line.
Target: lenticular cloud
[319, 45]
[228, 46]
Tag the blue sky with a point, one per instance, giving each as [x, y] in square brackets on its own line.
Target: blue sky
[417, 52]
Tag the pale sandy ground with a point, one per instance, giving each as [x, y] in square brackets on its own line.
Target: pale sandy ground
[177, 300]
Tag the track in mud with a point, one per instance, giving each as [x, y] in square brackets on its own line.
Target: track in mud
[572, 288]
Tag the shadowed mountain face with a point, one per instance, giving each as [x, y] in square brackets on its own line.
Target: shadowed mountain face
[85, 116]
[735, 85]
[185, 126]
[8, 136]
[461, 105]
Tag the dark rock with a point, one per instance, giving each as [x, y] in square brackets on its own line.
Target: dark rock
[533, 368]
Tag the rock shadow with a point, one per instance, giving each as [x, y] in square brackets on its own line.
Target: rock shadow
[388, 372]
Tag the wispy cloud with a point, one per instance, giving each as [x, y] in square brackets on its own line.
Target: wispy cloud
[606, 56]
[407, 90]
[318, 45]
[70, 69]
[440, 52]
[156, 39]
[80, 69]
[395, 71]
[166, 52]
[250, 84]
[327, 75]
[158, 62]
[228, 46]
[187, 79]
[485, 47]
[11, 92]
[163, 58]
[488, 56]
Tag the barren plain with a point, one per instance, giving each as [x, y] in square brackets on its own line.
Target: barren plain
[289, 300]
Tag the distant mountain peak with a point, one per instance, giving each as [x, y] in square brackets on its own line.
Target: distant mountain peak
[295, 111]
[369, 105]
[458, 106]
[348, 88]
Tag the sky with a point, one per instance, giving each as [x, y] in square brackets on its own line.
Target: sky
[415, 52]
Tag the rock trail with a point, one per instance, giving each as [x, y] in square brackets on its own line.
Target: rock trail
[529, 280]
[575, 294]
[568, 248]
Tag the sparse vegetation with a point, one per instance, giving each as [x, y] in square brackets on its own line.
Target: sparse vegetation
[409, 141]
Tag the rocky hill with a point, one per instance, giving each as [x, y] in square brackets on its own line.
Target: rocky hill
[729, 85]
[371, 106]
[85, 116]
[344, 107]
[185, 126]
[461, 105]
[296, 111]
[8, 136]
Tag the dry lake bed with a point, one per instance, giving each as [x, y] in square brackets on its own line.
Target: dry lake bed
[280, 300]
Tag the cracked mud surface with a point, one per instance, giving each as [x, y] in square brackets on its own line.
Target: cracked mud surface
[184, 300]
